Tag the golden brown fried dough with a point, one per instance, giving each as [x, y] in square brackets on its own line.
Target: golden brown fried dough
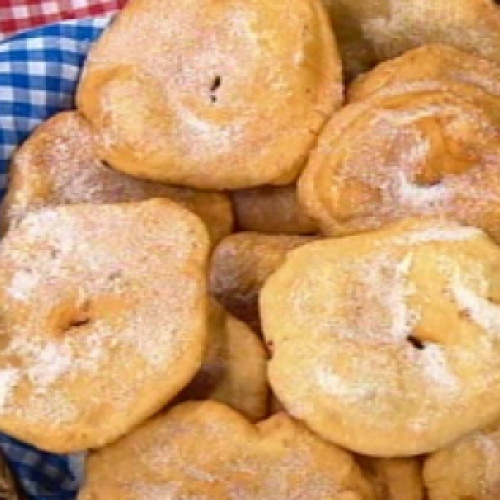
[381, 340]
[467, 469]
[389, 157]
[225, 95]
[58, 165]
[207, 450]
[371, 31]
[240, 265]
[427, 67]
[103, 312]
[394, 478]
[271, 210]
[234, 368]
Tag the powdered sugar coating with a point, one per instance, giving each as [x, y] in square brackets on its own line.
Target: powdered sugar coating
[480, 309]
[59, 165]
[438, 232]
[97, 304]
[374, 344]
[274, 460]
[433, 152]
[224, 96]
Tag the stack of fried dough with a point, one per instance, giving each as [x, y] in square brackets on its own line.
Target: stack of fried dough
[259, 260]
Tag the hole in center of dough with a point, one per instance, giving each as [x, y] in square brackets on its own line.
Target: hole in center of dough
[415, 342]
[79, 321]
[216, 83]
[74, 317]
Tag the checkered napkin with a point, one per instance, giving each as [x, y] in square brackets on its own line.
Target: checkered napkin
[20, 15]
[38, 73]
[39, 70]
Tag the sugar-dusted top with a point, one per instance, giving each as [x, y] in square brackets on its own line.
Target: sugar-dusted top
[380, 339]
[274, 460]
[428, 152]
[103, 319]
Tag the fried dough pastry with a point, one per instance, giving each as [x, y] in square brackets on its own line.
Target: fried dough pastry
[369, 32]
[274, 210]
[207, 450]
[380, 340]
[389, 157]
[58, 165]
[240, 265]
[234, 367]
[225, 95]
[394, 478]
[103, 313]
[427, 67]
[467, 469]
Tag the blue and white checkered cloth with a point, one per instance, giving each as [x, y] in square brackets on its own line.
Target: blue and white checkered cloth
[39, 70]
